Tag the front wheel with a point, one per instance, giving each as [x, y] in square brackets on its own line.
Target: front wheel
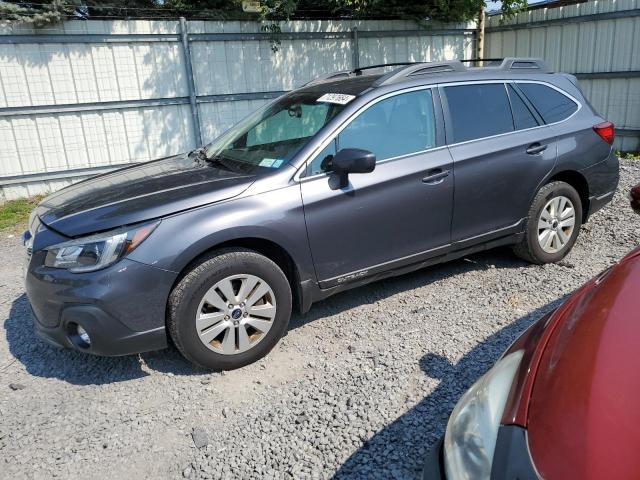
[230, 309]
[553, 224]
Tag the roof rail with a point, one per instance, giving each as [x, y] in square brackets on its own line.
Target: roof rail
[329, 76]
[516, 63]
[421, 69]
[355, 72]
[512, 63]
[359, 70]
[410, 69]
[483, 61]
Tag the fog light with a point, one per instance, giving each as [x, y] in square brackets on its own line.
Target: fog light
[84, 336]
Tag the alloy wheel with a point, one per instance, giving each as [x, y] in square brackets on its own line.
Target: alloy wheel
[556, 224]
[235, 314]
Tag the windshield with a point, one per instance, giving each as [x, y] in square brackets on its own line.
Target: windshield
[271, 136]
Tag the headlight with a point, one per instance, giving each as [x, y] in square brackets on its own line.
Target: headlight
[473, 426]
[96, 251]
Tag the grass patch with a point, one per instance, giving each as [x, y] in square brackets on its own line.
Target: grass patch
[629, 155]
[16, 212]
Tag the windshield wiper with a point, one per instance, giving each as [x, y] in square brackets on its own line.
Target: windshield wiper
[201, 155]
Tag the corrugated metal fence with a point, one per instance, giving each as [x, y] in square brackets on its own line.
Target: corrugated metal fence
[87, 96]
[598, 41]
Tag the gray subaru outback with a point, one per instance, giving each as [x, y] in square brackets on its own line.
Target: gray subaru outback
[355, 177]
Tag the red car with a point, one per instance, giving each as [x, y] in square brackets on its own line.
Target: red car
[563, 402]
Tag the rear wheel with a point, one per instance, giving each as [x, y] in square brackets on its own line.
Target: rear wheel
[553, 224]
[230, 309]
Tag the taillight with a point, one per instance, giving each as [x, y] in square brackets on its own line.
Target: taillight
[606, 130]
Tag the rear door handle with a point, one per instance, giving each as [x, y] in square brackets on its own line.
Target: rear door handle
[536, 148]
[435, 176]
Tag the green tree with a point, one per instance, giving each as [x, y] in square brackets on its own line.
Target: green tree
[38, 13]
[41, 12]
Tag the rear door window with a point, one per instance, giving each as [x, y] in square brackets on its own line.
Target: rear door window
[552, 105]
[522, 116]
[477, 111]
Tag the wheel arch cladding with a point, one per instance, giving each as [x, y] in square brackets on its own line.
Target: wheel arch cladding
[577, 181]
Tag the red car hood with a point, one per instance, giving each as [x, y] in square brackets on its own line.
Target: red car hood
[583, 414]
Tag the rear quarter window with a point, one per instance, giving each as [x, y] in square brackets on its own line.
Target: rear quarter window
[552, 105]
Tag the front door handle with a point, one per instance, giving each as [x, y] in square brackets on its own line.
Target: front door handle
[536, 148]
[435, 176]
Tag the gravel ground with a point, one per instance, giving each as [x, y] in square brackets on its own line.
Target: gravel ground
[359, 388]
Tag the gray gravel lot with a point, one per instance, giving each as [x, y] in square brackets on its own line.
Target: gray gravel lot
[359, 388]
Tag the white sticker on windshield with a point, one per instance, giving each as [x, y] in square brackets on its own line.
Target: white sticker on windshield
[339, 98]
[267, 162]
[271, 162]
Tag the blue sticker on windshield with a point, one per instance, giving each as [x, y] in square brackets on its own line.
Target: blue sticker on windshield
[277, 163]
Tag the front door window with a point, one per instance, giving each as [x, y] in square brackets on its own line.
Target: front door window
[393, 127]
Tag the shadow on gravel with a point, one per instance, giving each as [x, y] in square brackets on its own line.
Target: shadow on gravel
[500, 258]
[399, 450]
[44, 360]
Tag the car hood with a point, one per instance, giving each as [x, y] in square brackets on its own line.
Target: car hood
[138, 193]
[583, 411]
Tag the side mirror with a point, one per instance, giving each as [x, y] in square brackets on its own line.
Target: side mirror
[352, 160]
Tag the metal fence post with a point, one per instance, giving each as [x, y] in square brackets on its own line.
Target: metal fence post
[356, 49]
[190, 81]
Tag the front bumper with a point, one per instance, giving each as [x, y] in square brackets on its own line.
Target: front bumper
[108, 336]
[122, 307]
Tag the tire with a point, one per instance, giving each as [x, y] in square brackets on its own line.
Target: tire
[195, 296]
[553, 242]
